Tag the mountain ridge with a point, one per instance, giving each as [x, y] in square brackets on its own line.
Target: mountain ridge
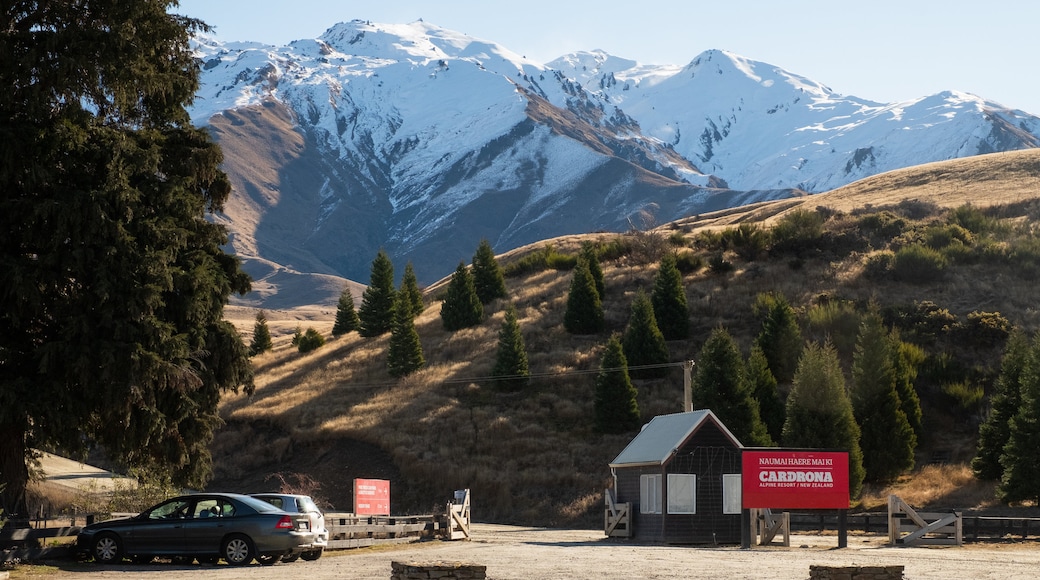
[423, 141]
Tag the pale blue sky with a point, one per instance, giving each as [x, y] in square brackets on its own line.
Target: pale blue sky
[885, 50]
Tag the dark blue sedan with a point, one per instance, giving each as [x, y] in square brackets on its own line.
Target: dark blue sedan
[205, 526]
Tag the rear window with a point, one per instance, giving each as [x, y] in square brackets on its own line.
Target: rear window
[307, 504]
[259, 504]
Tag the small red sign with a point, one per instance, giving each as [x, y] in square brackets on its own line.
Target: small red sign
[795, 479]
[372, 497]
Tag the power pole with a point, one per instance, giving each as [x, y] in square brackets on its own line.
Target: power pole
[687, 366]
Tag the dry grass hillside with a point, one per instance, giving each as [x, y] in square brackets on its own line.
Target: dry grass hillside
[532, 457]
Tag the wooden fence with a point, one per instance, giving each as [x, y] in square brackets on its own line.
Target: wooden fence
[922, 528]
[347, 530]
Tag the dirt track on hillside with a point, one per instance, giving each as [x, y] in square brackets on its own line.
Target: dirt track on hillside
[515, 553]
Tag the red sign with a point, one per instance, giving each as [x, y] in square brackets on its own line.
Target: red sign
[372, 497]
[795, 479]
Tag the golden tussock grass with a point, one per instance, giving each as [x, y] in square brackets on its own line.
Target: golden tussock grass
[935, 486]
[532, 456]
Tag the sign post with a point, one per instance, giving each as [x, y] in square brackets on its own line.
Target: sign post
[797, 479]
[371, 497]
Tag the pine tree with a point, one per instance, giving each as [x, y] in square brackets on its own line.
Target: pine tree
[488, 279]
[461, 307]
[908, 359]
[615, 403]
[780, 338]
[763, 388]
[376, 315]
[511, 370]
[404, 353]
[114, 281]
[643, 342]
[261, 342]
[1020, 479]
[410, 289]
[584, 314]
[591, 256]
[669, 299]
[819, 413]
[346, 317]
[886, 438]
[995, 431]
[720, 385]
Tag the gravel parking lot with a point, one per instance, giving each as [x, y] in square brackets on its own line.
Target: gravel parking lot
[511, 552]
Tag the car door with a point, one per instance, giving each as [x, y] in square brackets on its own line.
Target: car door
[160, 530]
[209, 523]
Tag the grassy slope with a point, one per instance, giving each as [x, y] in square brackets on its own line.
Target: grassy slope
[335, 414]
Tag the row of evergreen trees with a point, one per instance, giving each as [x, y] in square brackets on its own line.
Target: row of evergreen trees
[877, 418]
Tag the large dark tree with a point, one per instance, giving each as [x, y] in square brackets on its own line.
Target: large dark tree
[996, 429]
[114, 283]
[669, 299]
[376, 315]
[615, 406]
[488, 278]
[643, 342]
[461, 307]
[720, 385]
[819, 413]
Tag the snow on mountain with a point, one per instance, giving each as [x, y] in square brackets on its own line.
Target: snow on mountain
[422, 141]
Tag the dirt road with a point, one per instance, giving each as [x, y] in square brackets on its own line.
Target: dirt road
[514, 553]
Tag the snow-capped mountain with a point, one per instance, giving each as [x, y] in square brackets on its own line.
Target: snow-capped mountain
[423, 141]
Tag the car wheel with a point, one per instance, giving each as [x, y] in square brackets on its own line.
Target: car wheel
[238, 550]
[292, 558]
[312, 555]
[108, 549]
[268, 560]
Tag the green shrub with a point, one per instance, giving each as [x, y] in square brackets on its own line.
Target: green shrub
[547, 258]
[879, 265]
[939, 237]
[973, 219]
[677, 239]
[798, 230]
[711, 240]
[748, 240]
[836, 321]
[885, 224]
[918, 264]
[718, 264]
[965, 395]
[986, 328]
[310, 340]
[688, 262]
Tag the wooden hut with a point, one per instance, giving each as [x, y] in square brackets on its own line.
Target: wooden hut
[681, 478]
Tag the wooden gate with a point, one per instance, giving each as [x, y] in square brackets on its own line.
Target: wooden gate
[616, 518]
[458, 516]
[765, 525]
[924, 529]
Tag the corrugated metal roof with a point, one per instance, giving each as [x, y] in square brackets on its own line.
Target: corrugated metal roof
[663, 435]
